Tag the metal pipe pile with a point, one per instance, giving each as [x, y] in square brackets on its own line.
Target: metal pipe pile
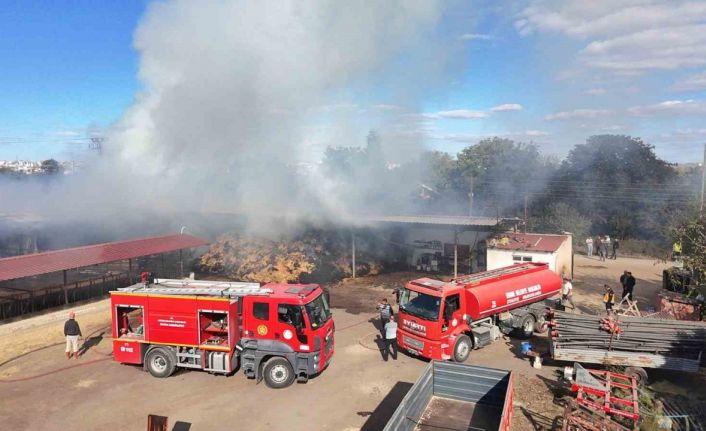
[675, 338]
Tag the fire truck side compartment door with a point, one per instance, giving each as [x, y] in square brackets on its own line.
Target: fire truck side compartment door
[128, 351]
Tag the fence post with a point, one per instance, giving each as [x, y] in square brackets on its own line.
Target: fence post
[66, 292]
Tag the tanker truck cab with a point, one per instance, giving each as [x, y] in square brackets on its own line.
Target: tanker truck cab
[277, 332]
[445, 321]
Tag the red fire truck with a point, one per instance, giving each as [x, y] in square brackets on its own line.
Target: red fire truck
[444, 321]
[279, 332]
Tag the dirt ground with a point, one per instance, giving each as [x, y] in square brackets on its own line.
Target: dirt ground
[42, 390]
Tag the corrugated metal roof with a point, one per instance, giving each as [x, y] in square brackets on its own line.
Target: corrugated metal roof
[51, 261]
[529, 242]
[439, 220]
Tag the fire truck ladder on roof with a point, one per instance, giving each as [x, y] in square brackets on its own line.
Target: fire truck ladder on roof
[492, 273]
[230, 289]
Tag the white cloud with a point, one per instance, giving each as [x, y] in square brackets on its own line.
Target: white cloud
[670, 108]
[685, 135]
[691, 83]
[595, 91]
[507, 107]
[536, 133]
[476, 36]
[459, 114]
[653, 49]
[337, 107]
[69, 133]
[577, 114]
[472, 138]
[386, 107]
[632, 37]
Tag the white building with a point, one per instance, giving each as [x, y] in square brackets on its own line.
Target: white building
[511, 248]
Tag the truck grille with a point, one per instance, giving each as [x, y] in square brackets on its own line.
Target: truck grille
[411, 342]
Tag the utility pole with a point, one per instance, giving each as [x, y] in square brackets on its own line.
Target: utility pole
[470, 200]
[703, 182]
[525, 213]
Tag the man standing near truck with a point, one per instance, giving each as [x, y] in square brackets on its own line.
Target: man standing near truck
[390, 339]
[386, 313]
[72, 332]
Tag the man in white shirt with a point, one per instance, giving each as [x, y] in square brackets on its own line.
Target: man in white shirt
[390, 339]
[589, 246]
[566, 293]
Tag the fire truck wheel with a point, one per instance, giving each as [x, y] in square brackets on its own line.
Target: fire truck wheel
[278, 373]
[462, 348]
[160, 363]
[526, 328]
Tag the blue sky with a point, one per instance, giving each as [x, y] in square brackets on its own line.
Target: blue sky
[551, 72]
[66, 68]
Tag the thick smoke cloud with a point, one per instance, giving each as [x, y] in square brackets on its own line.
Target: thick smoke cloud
[239, 100]
[237, 93]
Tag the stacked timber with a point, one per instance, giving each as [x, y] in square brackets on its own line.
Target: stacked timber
[668, 338]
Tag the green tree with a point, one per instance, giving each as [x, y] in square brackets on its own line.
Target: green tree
[620, 184]
[51, 167]
[561, 217]
[501, 173]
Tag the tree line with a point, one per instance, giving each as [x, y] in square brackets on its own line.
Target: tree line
[610, 185]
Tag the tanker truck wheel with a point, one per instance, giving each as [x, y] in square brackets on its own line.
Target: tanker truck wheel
[462, 348]
[526, 328]
[160, 363]
[278, 373]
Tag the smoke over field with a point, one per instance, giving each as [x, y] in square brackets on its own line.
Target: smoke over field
[241, 98]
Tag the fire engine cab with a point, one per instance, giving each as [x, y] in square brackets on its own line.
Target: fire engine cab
[279, 332]
[443, 321]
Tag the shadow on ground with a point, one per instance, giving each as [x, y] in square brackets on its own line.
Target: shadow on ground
[378, 418]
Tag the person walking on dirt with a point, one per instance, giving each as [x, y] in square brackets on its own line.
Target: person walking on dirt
[72, 332]
[602, 249]
[616, 246]
[390, 348]
[589, 246]
[567, 293]
[386, 313]
[608, 298]
[629, 285]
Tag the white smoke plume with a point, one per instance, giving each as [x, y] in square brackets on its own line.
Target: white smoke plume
[233, 89]
[239, 100]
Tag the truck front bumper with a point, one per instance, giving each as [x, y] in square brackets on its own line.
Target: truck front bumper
[418, 346]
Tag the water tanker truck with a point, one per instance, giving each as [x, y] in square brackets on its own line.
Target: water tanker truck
[446, 320]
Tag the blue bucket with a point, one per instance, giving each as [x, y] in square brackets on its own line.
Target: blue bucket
[525, 347]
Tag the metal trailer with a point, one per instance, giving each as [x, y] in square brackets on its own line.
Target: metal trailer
[633, 342]
[451, 396]
[604, 401]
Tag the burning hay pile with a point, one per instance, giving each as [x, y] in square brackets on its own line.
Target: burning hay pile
[314, 256]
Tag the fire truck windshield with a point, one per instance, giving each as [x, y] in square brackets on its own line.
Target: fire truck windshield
[318, 311]
[420, 304]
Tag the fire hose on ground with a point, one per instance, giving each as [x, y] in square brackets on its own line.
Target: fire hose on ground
[106, 357]
[60, 369]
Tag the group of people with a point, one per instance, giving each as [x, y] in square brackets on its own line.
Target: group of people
[602, 246]
[627, 281]
[388, 328]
